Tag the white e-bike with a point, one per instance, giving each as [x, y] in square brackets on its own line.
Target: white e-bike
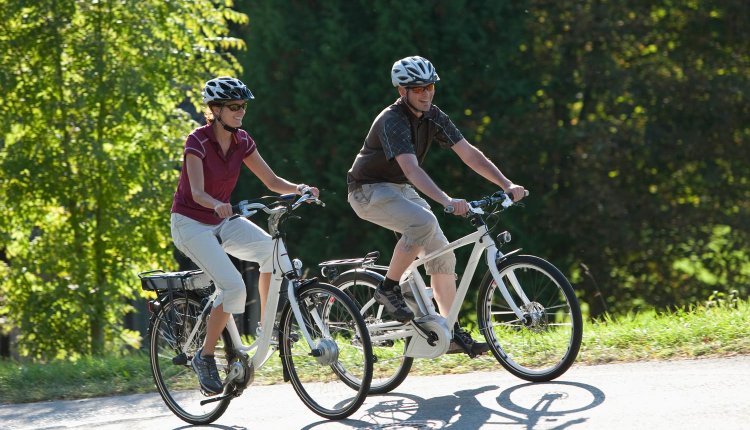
[526, 309]
[321, 337]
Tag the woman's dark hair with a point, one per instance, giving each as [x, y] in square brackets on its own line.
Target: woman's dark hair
[208, 113]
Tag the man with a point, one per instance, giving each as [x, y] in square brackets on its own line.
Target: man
[381, 186]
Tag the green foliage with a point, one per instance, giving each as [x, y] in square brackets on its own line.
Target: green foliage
[91, 139]
[702, 331]
[646, 139]
[628, 123]
[64, 379]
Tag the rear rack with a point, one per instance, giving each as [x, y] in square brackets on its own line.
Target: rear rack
[330, 269]
[161, 281]
[366, 261]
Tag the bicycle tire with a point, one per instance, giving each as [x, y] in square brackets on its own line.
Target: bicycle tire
[544, 349]
[318, 380]
[390, 366]
[176, 382]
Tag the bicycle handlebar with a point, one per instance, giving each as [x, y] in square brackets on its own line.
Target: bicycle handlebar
[283, 202]
[505, 199]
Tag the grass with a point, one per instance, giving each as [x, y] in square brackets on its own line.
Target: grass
[701, 332]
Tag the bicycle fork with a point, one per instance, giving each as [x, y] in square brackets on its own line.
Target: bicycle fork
[325, 351]
[493, 255]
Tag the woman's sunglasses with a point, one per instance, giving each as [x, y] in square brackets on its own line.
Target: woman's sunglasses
[236, 107]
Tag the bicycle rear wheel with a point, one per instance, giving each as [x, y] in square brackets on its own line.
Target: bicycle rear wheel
[175, 380]
[390, 365]
[547, 344]
[323, 381]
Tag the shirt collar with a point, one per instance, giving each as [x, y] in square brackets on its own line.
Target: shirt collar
[430, 114]
[212, 136]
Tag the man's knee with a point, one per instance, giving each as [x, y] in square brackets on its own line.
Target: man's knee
[422, 232]
[446, 263]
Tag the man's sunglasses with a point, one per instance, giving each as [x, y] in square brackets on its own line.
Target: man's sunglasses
[420, 90]
[236, 107]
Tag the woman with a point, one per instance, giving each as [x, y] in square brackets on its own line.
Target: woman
[201, 227]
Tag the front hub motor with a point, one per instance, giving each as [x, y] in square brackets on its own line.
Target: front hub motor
[329, 352]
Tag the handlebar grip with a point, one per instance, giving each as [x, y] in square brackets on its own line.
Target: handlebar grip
[236, 209]
[525, 194]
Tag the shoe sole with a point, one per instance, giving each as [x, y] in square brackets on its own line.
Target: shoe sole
[205, 389]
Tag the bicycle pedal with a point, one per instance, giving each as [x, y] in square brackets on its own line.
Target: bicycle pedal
[180, 359]
[208, 394]
[384, 343]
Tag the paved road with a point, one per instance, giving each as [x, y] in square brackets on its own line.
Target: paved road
[689, 394]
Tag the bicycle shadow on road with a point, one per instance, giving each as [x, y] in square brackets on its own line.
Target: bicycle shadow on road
[209, 426]
[557, 405]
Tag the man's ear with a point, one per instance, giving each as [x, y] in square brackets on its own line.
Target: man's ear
[402, 91]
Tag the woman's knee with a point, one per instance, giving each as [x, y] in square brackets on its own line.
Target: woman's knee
[234, 296]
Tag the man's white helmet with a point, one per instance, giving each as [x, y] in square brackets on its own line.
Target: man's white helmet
[413, 72]
[224, 88]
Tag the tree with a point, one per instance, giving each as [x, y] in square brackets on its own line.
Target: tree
[90, 144]
[627, 120]
[641, 119]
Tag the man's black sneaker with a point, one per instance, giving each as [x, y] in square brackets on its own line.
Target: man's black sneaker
[462, 342]
[394, 303]
[208, 375]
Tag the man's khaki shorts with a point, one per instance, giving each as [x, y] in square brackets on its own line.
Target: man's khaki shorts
[398, 207]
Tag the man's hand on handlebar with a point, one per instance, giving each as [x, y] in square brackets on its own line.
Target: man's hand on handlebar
[459, 207]
[517, 192]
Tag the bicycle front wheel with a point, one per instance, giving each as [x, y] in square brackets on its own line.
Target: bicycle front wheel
[546, 344]
[390, 366]
[341, 353]
[170, 360]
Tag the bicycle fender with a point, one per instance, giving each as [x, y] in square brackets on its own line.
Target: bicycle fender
[371, 272]
[505, 256]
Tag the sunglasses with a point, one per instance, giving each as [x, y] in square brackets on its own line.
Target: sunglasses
[420, 90]
[236, 107]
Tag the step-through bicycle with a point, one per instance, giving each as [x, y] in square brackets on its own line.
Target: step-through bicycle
[526, 309]
[322, 339]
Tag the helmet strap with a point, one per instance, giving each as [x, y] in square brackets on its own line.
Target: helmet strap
[411, 106]
[226, 127]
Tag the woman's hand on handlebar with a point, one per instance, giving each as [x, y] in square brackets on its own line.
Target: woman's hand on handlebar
[223, 210]
[302, 188]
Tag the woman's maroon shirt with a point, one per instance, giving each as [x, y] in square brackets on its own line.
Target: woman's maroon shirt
[220, 172]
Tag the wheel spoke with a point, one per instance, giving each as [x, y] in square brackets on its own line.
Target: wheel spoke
[334, 382]
[391, 366]
[178, 384]
[546, 342]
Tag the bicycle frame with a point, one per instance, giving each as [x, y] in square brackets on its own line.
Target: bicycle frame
[283, 268]
[483, 243]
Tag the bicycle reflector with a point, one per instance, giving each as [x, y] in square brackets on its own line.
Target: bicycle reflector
[297, 264]
[503, 237]
[153, 306]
